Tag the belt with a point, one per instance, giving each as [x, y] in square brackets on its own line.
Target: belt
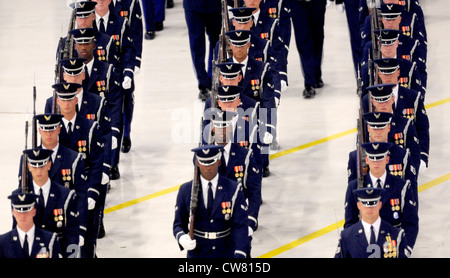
[212, 235]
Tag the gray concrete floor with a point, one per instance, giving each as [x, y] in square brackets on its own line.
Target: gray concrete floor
[302, 211]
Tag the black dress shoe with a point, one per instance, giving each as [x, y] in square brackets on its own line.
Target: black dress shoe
[170, 4]
[101, 230]
[126, 144]
[115, 174]
[150, 35]
[266, 172]
[309, 91]
[319, 83]
[203, 94]
[159, 26]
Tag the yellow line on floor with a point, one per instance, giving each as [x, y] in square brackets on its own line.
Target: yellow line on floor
[273, 156]
[312, 144]
[433, 183]
[303, 240]
[338, 135]
[437, 103]
[339, 224]
[142, 199]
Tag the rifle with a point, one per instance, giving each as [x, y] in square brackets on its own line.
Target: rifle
[34, 122]
[213, 97]
[361, 166]
[66, 50]
[24, 173]
[371, 76]
[194, 199]
[223, 40]
[58, 77]
[223, 52]
[194, 190]
[69, 43]
[375, 24]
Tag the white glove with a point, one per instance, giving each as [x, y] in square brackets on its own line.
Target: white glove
[268, 138]
[283, 85]
[126, 84]
[187, 243]
[113, 143]
[340, 7]
[81, 241]
[137, 70]
[250, 231]
[422, 167]
[329, 3]
[70, 3]
[277, 102]
[91, 204]
[105, 178]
